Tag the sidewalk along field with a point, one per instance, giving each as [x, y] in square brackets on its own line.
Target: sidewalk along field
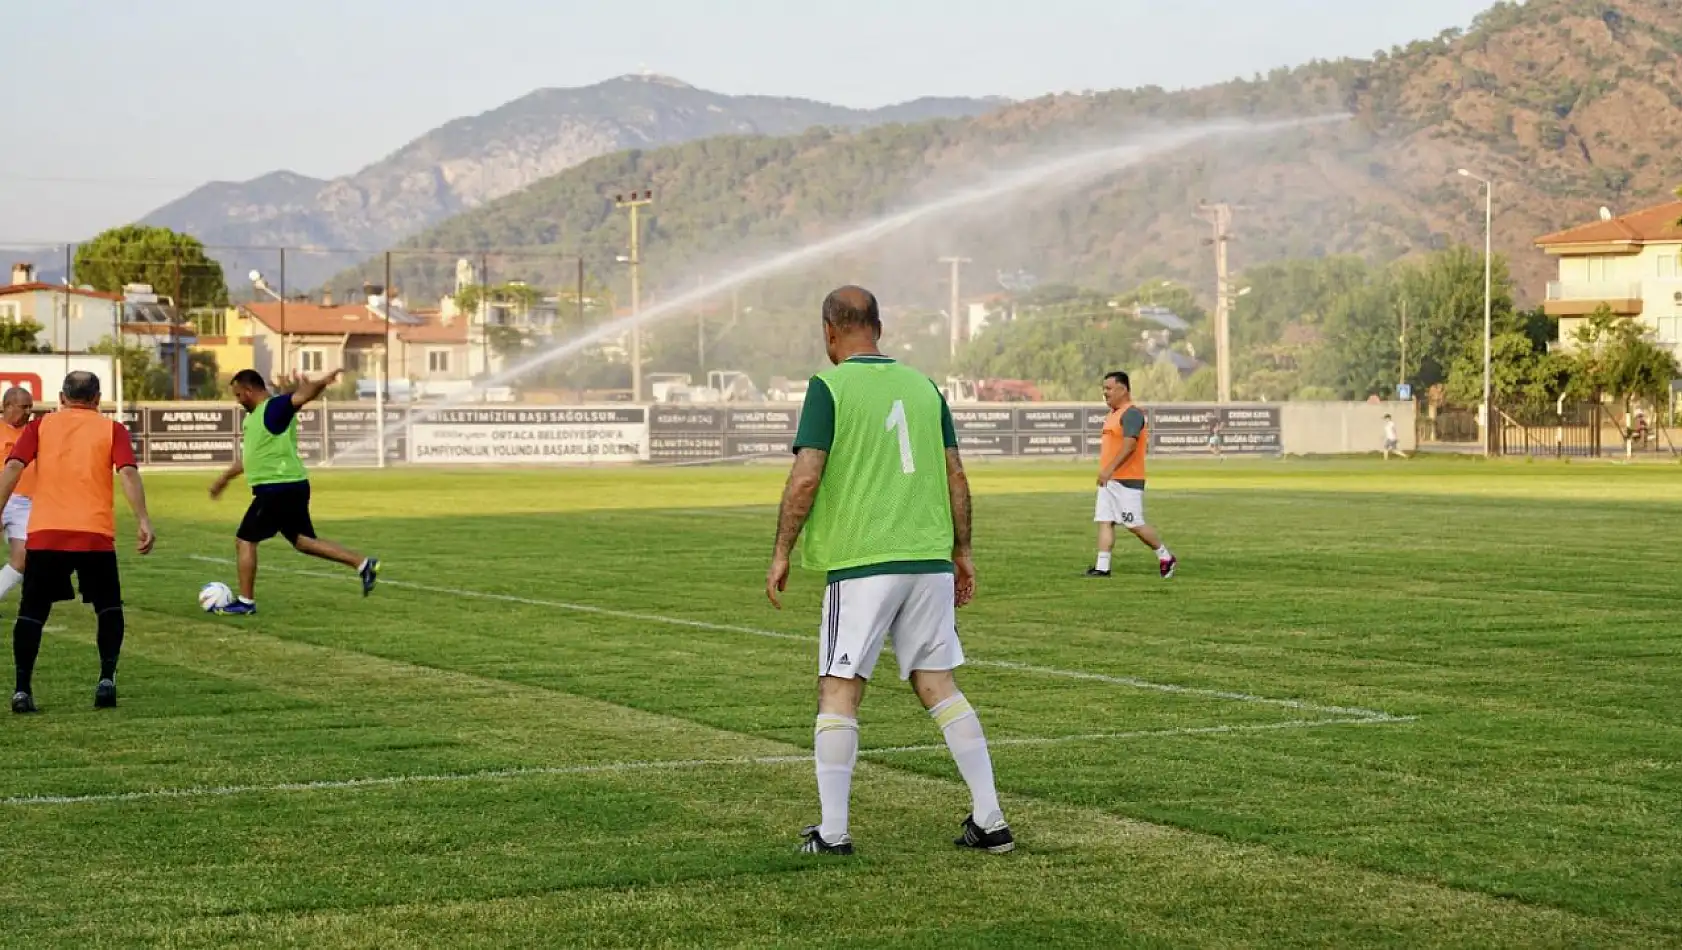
[1424, 704]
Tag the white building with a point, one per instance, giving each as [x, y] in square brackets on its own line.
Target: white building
[1630, 264]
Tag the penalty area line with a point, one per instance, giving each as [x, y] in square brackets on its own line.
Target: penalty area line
[658, 765]
[1128, 681]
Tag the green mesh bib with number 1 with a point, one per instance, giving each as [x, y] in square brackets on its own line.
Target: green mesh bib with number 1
[883, 496]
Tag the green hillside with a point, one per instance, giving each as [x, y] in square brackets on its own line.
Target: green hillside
[1569, 104]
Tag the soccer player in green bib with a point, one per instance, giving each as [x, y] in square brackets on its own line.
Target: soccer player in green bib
[879, 493]
[280, 487]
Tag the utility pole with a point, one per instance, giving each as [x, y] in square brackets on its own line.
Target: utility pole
[957, 333]
[634, 202]
[1220, 216]
[1487, 411]
[700, 331]
[282, 315]
[1402, 371]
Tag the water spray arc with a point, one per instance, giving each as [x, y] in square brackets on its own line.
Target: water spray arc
[1061, 173]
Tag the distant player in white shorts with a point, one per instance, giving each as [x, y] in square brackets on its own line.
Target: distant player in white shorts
[1392, 439]
[1121, 479]
[16, 407]
[880, 493]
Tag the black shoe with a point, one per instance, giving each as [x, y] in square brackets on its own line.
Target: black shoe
[1094, 572]
[814, 843]
[370, 573]
[23, 703]
[996, 839]
[105, 695]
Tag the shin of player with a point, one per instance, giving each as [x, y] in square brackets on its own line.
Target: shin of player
[880, 493]
[16, 406]
[72, 529]
[1121, 479]
[280, 488]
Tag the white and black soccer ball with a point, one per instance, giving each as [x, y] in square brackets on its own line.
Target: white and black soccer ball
[214, 596]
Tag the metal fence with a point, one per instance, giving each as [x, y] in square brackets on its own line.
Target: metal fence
[1577, 430]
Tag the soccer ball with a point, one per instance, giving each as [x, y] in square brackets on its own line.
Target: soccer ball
[214, 596]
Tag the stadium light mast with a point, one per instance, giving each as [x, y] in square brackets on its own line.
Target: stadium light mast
[1488, 296]
[634, 202]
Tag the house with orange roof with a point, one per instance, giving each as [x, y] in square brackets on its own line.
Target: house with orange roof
[1630, 264]
[295, 336]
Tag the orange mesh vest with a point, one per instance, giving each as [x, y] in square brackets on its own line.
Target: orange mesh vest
[9, 435]
[1110, 446]
[73, 490]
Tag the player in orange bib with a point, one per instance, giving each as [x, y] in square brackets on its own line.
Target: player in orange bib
[16, 406]
[1121, 478]
[73, 529]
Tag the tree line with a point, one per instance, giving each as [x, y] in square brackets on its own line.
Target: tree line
[1332, 328]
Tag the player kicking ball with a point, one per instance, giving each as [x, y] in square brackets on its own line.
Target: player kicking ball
[879, 489]
[280, 487]
[1121, 478]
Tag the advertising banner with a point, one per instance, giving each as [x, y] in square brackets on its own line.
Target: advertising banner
[1201, 430]
[353, 430]
[513, 436]
[208, 434]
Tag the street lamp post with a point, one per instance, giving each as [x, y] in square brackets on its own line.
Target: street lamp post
[633, 202]
[262, 286]
[1488, 297]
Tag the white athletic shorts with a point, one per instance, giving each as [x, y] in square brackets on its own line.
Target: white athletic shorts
[15, 518]
[1120, 505]
[915, 611]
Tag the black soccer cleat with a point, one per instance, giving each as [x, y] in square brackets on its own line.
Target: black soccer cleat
[996, 839]
[814, 843]
[105, 695]
[23, 703]
[370, 574]
[1094, 572]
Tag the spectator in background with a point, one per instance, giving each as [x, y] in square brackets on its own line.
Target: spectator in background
[1392, 439]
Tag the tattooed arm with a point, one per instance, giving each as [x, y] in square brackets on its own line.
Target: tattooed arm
[957, 489]
[798, 495]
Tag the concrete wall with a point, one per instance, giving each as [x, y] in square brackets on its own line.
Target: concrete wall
[1342, 428]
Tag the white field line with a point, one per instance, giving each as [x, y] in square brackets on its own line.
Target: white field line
[668, 765]
[1128, 681]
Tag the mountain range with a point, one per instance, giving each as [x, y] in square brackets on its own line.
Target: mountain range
[470, 161]
[1568, 105]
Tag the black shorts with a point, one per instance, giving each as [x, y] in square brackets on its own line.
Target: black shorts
[283, 511]
[46, 579]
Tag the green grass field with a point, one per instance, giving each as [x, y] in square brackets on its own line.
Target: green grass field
[1435, 704]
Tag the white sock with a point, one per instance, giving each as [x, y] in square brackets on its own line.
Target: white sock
[1103, 560]
[363, 566]
[247, 600]
[835, 746]
[1162, 554]
[957, 720]
[10, 577]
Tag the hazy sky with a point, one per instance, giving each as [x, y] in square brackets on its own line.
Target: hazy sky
[130, 104]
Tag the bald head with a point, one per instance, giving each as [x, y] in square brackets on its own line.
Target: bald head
[16, 405]
[851, 323]
[852, 309]
[81, 388]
